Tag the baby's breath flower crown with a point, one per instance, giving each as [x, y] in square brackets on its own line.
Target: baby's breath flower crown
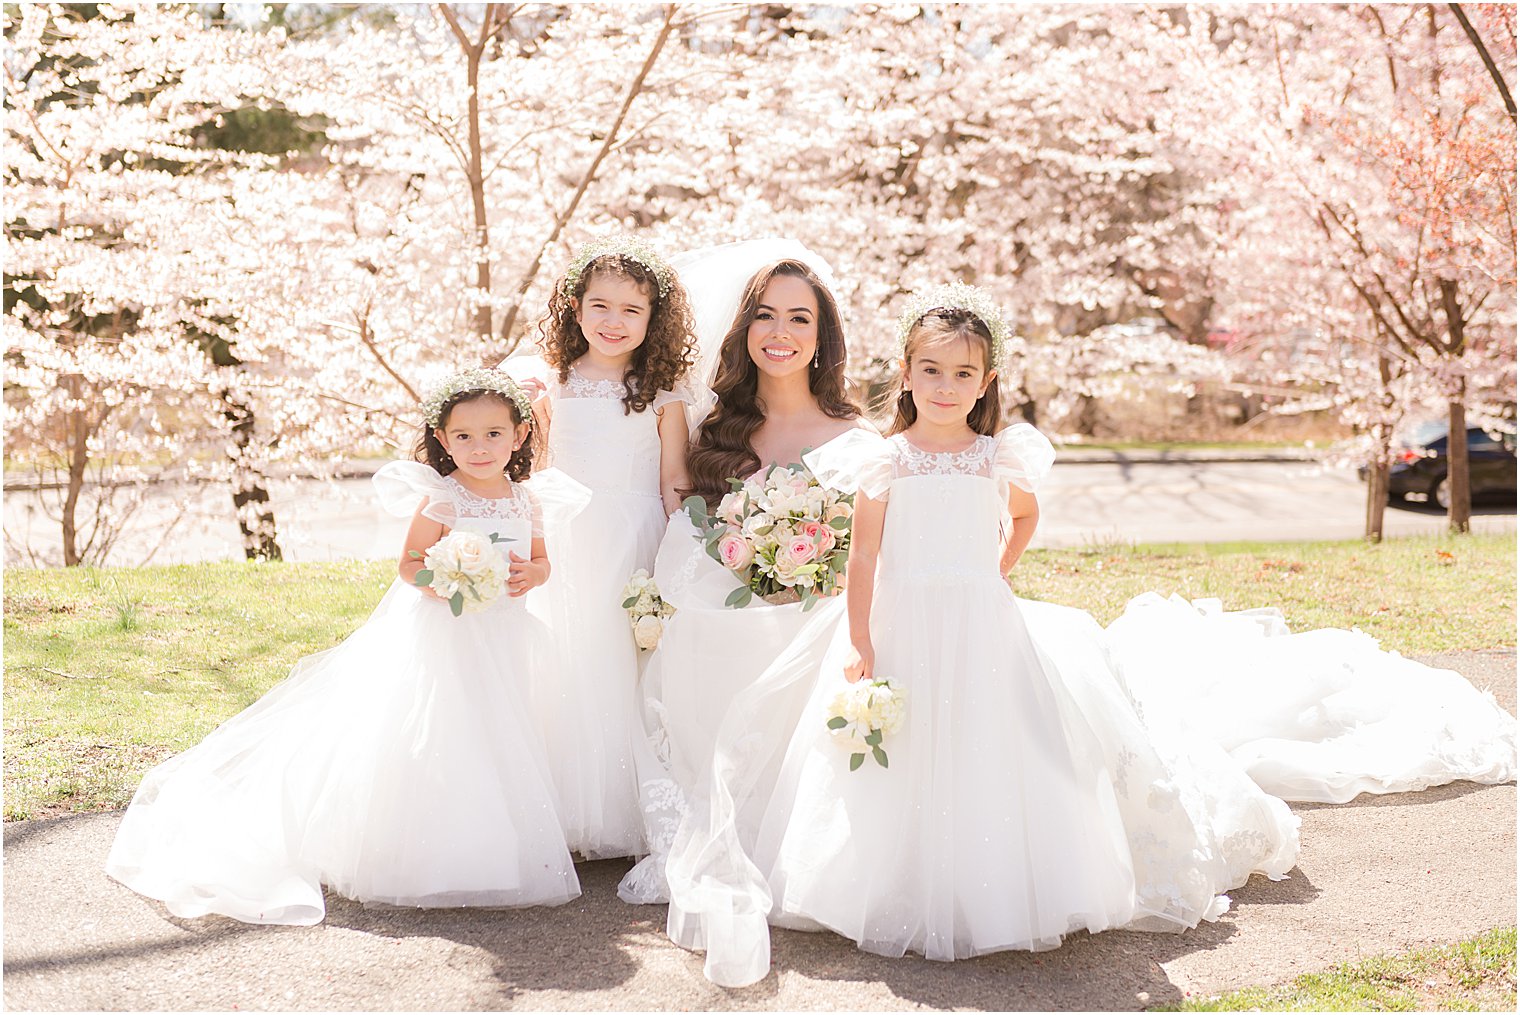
[621, 245]
[956, 296]
[479, 379]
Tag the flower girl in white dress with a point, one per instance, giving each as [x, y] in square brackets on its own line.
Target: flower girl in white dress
[1022, 798]
[619, 340]
[402, 766]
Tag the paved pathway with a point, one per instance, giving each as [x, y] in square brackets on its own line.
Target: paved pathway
[1378, 875]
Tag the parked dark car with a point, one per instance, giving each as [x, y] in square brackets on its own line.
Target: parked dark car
[1419, 465]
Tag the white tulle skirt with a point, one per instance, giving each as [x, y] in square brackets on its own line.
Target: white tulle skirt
[1025, 797]
[586, 705]
[400, 767]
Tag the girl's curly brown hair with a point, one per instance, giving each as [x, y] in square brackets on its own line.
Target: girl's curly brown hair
[430, 450]
[669, 345]
[722, 448]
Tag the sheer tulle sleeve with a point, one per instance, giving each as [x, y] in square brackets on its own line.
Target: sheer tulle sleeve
[556, 498]
[404, 486]
[697, 399]
[857, 459]
[682, 392]
[527, 366]
[1023, 457]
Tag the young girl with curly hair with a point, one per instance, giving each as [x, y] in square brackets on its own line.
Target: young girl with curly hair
[618, 337]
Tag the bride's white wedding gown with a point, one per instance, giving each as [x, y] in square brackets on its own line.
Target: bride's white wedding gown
[1050, 776]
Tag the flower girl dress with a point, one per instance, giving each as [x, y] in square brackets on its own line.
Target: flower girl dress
[586, 704]
[400, 767]
[1025, 797]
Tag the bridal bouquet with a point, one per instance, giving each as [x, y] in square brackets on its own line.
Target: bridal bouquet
[466, 569]
[785, 536]
[863, 713]
[647, 612]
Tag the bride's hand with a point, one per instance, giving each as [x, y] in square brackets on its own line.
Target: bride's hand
[860, 663]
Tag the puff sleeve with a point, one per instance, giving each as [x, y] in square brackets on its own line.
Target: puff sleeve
[404, 486]
[1022, 457]
[556, 498]
[857, 459]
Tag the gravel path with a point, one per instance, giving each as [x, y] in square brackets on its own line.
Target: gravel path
[1378, 875]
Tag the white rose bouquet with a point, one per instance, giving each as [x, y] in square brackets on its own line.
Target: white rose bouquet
[785, 536]
[647, 612]
[466, 569]
[863, 713]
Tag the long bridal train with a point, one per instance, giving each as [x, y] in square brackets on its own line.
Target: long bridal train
[1184, 728]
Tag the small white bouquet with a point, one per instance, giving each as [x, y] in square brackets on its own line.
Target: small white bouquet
[466, 569]
[647, 612]
[863, 713]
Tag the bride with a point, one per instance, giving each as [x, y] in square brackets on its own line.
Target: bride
[780, 391]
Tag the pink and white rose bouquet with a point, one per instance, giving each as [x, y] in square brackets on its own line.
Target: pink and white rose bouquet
[783, 535]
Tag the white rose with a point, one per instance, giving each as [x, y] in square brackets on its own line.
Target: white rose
[646, 633]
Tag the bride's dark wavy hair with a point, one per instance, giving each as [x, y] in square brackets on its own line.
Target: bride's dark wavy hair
[722, 448]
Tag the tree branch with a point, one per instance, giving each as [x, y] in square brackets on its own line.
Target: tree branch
[368, 338]
[634, 88]
[1488, 61]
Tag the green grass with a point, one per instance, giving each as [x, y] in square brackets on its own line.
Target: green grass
[1475, 975]
[109, 671]
[1417, 595]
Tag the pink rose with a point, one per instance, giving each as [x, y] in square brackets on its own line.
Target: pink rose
[801, 549]
[734, 552]
[821, 535]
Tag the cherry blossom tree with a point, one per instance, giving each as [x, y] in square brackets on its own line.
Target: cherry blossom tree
[113, 251]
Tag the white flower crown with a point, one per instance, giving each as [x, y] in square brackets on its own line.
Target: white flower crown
[956, 296]
[479, 379]
[621, 245]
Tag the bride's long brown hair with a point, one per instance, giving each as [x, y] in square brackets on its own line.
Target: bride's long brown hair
[722, 448]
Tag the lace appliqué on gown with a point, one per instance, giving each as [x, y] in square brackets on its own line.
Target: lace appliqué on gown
[584, 387]
[516, 506]
[975, 460]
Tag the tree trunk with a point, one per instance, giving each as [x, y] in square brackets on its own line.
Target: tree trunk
[1458, 470]
[1087, 416]
[1025, 407]
[1377, 484]
[250, 493]
[478, 196]
[76, 441]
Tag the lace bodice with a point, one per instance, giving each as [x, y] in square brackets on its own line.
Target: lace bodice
[583, 387]
[518, 506]
[910, 460]
[596, 442]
